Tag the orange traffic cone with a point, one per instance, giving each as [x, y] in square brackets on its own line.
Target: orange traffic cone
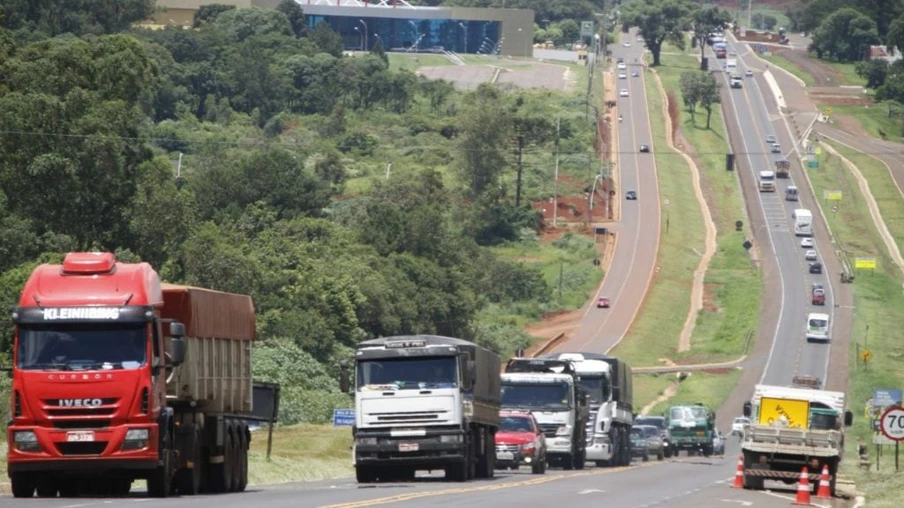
[739, 474]
[803, 489]
[825, 490]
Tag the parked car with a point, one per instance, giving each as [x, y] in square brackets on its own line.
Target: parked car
[806, 243]
[810, 255]
[645, 441]
[644, 148]
[602, 303]
[816, 267]
[631, 195]
[520, 441]
[818, 295]
[718, 443]
[660, 423]
[737, 426]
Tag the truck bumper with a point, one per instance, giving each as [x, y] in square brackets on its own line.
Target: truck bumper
[435, 447]
[600, 451]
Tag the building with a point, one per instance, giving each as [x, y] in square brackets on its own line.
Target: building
[397, 24]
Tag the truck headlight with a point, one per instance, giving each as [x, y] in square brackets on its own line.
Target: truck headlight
[564, 430]
[456, 438]
[365, 440]
[26, 441]
[136, 439]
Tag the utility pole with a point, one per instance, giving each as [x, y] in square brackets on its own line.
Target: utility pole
[561, 278]
[555, 199]
[520, 169]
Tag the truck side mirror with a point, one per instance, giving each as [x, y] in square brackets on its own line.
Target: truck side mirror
[748, 409]
[472, 371]
[848, 418]
[176, 330]
[177, 355]
[344, 383]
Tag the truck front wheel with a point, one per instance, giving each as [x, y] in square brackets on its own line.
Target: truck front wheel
[23, 485]
[161, 478]
[365, 474]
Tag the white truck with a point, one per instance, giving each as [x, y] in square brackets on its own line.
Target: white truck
[767, 181]
[424, 402]
[731, 65]
[803, 222]
[608, 382]
[736, 81]
[792, 428]
[551, 390]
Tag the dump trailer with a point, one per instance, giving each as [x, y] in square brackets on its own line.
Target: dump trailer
[551, 389]
[792, 428]
[608, 382]
[424, 402]
[782, 168]
[691, 428]
[118, 377]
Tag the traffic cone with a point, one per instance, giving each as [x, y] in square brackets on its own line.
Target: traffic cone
[825, 490]
[803, 489]
[739, 474]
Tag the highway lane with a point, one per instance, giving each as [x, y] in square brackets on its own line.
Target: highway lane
[790, 354]
[636, 247]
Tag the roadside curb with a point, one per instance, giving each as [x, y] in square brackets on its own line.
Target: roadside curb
[547, 346]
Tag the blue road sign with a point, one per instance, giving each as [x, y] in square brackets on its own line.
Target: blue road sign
[884, 397]
[343, 417]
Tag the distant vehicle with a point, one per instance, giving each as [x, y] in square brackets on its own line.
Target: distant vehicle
[619, 60]
[635, 74]
[736, 81]
[748, 73]
[644, 149]
[767, 181]
[803, 223]
[718, 443]
[811, 255]
[623, 92]
[602, 303]
[626, 44]
[770, 138]
[816, 267]
[776, 148]
[737, 426]
[817, 327]
[622, 75]
[806, 243]
[520, 441]
[660, 423]
[646, 441]
[791, 193]
[818, 295]
[621, 66]
[631, 195]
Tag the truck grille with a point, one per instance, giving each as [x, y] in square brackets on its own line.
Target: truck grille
[590, 430]
[549, 429]
[81, 424]
[94, 448]
[107, 407]
[413, 416]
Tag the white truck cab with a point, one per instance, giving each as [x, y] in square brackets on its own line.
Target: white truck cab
[767, 181]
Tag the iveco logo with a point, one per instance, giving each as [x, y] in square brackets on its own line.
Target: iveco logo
[80, 402]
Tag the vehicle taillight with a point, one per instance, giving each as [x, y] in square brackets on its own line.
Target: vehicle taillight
[144, 401]
[17, 404]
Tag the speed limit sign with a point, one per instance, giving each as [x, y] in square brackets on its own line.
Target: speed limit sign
[892, 423]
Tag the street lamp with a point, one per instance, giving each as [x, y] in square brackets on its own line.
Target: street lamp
[417, 34]
[365, 33]
[465, 27]
[362, 37]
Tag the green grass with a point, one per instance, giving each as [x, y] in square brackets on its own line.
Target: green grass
[655, 332]
[849, 76]
[875, 121]
[874, 295]
[301, 452]
[413, 61]
[709, 389]
[788, 65]
[649, 386]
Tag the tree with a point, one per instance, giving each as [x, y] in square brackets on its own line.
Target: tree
[485, 130]
[571, 32]
[845, 36]
[660, 21]
[295, 16]
[873, 71]
[327, 39]
[698, 87]
[706, 21]
[208, 13]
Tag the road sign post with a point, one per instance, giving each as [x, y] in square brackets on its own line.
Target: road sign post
[892, 425]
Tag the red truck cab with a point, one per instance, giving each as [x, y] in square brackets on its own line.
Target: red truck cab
[95, 343]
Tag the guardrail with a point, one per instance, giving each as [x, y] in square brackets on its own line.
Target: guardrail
[548, 346]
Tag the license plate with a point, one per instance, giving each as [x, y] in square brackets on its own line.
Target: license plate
[505, 456]
[408, 447]
[701, 433]
[80, 436]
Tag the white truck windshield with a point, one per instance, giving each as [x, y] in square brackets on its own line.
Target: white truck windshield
[409, 373]
[552, 397]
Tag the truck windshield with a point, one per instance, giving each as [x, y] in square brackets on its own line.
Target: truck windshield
[552, 397]
[82, 346]
[597, 387]
[409, 373]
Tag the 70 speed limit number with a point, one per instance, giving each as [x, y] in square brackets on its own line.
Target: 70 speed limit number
[892, 423]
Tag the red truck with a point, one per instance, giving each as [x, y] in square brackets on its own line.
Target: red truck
[118, 377]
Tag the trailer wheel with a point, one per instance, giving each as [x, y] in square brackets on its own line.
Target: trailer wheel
[457, 472]
[243, 459]
[221, 473]
[188, 479]
[23, 485]
[487, 463]
[236, 461]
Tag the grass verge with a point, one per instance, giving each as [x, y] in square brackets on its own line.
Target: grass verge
[647, 387]
[848, 71]
[655, 332]
[413, 61]
[780, 61]
[301, 452]
[874, 294]
[875, 121]
[708, 388]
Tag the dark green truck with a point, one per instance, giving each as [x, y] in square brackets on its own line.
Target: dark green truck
[691, 428]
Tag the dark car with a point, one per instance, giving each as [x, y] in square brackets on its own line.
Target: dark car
[660, 423]
[520, 441]
[644, 149]
[631, 195]
[645, 441]
[816, 267]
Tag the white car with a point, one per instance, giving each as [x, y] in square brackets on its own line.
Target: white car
[623, 92]
[810, 255]
[622, 66]
[806, 243]
[626, 44]
[622, 75]
[737, 426]
[748, 73]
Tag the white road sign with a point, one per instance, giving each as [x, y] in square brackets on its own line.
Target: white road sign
[892, 423]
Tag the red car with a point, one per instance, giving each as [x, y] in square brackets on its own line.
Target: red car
[520, 441]
[602, 303]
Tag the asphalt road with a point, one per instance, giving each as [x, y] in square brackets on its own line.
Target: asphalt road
[637, 233]
[748, 117]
